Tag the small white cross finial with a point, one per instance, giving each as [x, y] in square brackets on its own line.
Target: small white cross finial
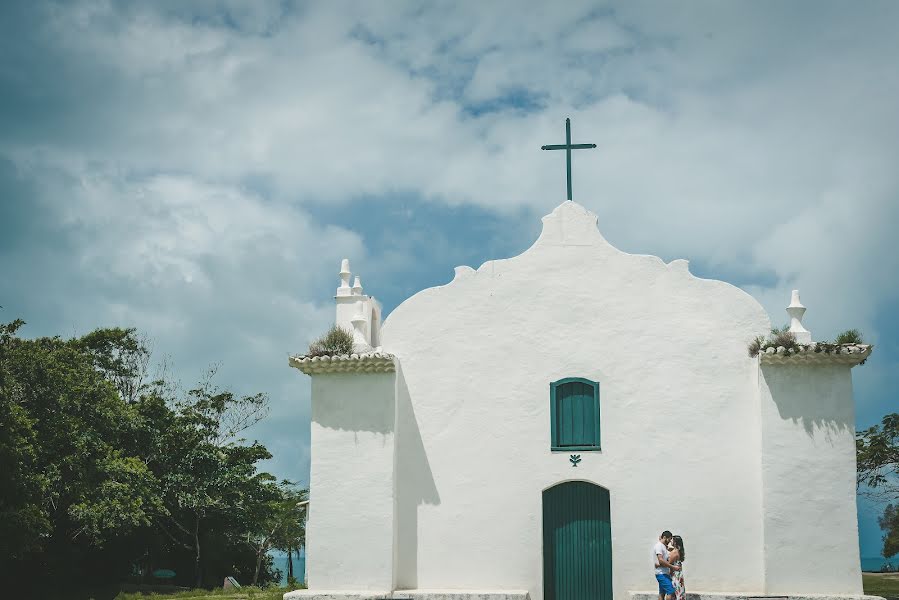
[796, 310]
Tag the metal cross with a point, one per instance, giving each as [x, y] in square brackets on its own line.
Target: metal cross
[568, 147]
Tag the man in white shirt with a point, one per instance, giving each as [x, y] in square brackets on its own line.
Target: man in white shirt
[663, 567]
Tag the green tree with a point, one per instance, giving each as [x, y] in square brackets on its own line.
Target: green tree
[292, 536]
[878, 474]
[23, 520]
[103, 468]
[276, 523]
[889, 523]
[206, 472]
[122, 357]
[71, 486]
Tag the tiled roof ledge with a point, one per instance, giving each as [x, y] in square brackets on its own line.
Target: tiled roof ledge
[371, 362]
[843, 354]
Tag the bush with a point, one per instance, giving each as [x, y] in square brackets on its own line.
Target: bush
[755, 346]
[335, 342]
[850, 336]
[781, 336]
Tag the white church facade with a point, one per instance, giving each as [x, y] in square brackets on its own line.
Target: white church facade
[529, 429]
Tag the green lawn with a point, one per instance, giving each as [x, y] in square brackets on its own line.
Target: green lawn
[876, 584]
[881, 584]
[245, 593]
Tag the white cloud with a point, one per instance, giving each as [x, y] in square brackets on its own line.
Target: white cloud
[210, 273]
[755, 140]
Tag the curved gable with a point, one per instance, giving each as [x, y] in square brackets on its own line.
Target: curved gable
[571, 271]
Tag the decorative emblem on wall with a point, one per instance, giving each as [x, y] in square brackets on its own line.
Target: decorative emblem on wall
[575, 459]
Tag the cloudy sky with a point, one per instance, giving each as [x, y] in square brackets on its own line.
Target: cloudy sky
[197, 170]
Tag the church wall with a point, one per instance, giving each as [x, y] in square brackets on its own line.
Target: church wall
[351, 482]
[679, 414]
[808, 469]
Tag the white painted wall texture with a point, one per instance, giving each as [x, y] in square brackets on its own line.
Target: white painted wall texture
[350, 526]
[688, 442]
[808, 474]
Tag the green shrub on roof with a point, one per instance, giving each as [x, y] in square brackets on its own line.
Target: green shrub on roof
[334, 342]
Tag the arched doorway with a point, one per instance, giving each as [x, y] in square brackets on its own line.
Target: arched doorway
[577, 542]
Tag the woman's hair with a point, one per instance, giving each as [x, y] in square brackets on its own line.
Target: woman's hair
[679, 544]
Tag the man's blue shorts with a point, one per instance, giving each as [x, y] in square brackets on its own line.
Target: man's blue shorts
[665, 585]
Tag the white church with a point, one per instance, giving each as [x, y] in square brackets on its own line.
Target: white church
[530, 428]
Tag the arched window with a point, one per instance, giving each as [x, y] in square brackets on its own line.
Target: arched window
[574, 410]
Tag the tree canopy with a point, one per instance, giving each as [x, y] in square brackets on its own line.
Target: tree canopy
[878, 474]
[112, 474]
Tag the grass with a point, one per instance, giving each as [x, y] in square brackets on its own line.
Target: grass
[875, 584]
[881, 584]
[244, 593]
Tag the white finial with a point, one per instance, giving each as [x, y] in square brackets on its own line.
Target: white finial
[360, 339]
[357, 287]
[796, 310]
[344, 289]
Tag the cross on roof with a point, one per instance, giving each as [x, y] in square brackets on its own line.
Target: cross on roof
[568, 147]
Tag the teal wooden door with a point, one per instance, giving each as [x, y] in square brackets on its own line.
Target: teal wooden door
[577, 542]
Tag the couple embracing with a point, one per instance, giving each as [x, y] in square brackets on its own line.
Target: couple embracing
[668, 557]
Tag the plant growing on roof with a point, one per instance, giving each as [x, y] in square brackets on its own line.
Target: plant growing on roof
[781, 336]
[850, 336]
[334, 342]
[756, 345]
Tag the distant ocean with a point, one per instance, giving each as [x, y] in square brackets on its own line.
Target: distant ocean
[874, 563]
[279, 561]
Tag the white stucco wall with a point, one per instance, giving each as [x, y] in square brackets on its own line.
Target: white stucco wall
[679, 402]
[431, 478]
[350, 527]
[808, 471]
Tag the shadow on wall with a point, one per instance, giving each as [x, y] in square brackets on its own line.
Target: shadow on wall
[361, 402]
[820, 397]
[414, 485]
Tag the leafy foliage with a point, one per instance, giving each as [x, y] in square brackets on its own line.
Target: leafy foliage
[24, 521]
[782, 337]
[878, 457]
[121, 357]
[204, 472]
[878, 473]
[279, 524]
[756, 345]
[779, 336]
[889, 523]
[73, 425]
[125, 499]
[336, 341]
[850, 336]
[108, 474]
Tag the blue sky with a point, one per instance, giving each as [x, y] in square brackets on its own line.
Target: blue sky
[198, 170]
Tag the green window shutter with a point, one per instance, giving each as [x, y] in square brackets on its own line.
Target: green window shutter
[574, 410]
